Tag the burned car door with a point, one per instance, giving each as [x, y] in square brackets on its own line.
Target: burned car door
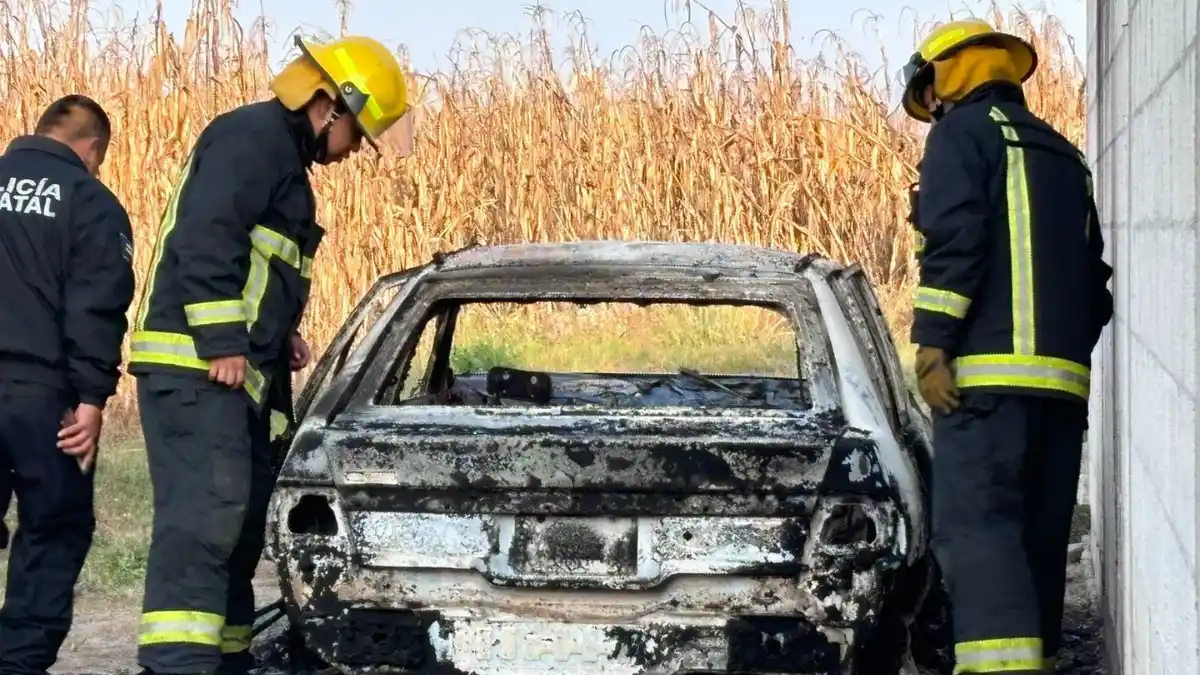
[873, 338]
[862, 306]
[368, 310]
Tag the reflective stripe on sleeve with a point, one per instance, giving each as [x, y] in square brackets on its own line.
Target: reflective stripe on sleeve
[215, 312]
[271, 244]
[943, 302]
[180, 626]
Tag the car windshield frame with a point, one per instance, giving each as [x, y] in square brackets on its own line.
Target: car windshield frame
[792, 295]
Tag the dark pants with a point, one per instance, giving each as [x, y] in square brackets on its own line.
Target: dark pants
[54, 527]
[210, 468]
[1006, 468]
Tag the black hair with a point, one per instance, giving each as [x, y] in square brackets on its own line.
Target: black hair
[77, 117]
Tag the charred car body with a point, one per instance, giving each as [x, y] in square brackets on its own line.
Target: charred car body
[512, 522]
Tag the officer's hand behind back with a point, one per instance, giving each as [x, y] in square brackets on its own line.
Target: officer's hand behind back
[80, 435]
[228, 370]
[935, 380]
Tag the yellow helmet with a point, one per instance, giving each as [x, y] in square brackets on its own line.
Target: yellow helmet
[947, 40]
[365, 74]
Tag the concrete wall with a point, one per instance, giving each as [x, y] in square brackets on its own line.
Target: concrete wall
[1143, 131]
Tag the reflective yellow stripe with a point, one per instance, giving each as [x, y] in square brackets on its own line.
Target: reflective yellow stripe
[200, 628]
[235, 639]
[1019, 241]
[217, 311]
[1015, 370]
[266, 244]
[270, 243]
[359, 81]
[944, 42]
[943, 302]
[998, 656]
[166, 224]
[176, 349]
[919, 241]
[279, 424]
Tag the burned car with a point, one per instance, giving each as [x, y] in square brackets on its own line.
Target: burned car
[442, 510]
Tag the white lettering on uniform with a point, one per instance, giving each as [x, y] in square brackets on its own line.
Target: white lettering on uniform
[28, 196]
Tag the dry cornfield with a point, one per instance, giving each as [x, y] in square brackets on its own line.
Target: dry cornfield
[725, 137]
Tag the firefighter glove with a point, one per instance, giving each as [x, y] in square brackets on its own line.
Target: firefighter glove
[935, 380]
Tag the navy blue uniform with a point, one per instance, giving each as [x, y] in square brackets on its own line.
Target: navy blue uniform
[66, 272]
[231, 276]
[1013, 288]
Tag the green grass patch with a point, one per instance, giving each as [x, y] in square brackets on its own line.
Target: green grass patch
[620, 338]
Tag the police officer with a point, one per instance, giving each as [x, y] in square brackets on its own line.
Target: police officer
[67, 279]
[215, 337]
[1011, 302]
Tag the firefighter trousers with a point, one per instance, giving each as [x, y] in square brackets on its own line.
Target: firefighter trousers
[55, 523]
[210, 468]
[1005, 474]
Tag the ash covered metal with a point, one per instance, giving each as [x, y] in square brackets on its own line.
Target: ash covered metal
[627, 524]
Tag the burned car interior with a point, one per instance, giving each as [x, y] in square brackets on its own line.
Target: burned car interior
[428, 377]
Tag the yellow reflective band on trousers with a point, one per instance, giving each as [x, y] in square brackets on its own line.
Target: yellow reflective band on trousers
[176, 349]
[215, 312]
[942, 302]
[1028, 372]
[1020, 244]
[235, 639]
[180, 627]
[998, 656]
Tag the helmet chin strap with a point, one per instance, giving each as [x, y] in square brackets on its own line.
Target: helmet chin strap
[321, 146]
[938, 111]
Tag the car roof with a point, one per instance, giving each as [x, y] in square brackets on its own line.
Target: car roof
[604, 253]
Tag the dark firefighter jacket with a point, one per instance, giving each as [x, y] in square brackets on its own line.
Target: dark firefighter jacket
[232, 263]
[1013, 286]
[66, 272]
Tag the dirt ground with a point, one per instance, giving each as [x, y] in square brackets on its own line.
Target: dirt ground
[103, 638]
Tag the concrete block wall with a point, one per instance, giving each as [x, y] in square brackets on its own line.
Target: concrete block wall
[1144, 145]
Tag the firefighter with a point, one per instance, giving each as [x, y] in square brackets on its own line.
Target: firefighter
[66, 252]
[1012, 299]
[215, 337]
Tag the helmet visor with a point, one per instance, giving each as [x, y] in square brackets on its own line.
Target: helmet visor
[398, 139]
[910, 80]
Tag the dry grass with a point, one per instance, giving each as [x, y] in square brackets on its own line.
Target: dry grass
[721, 137]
